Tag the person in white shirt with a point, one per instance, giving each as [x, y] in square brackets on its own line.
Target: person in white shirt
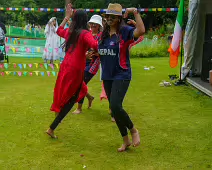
[51, 50]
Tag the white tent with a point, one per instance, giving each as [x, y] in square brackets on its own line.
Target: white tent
[194, 36]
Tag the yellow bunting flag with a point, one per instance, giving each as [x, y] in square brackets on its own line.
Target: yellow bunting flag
[36, 72]
[36, 65]
[13, 49]
[7, 72]
[38, 49]
[56, 65]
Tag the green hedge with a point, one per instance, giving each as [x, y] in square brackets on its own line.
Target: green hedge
[20, 32]
[150, 48]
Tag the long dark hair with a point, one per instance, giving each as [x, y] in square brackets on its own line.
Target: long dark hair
[106, 31]
[79, 23]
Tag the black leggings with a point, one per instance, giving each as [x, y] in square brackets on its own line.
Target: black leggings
[64, 111]
[115, 91]
[87, 77]
[1, 53]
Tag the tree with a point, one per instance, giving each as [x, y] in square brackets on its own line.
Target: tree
[67, 2]
[20, 18]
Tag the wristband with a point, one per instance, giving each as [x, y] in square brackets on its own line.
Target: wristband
[66, 19]
[135, 11]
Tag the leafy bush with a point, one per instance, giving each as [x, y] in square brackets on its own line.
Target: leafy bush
[155, 43]
[162, 31]
[170, 28]
[150, 48]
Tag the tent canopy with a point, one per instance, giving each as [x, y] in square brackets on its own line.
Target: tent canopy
[194, 36]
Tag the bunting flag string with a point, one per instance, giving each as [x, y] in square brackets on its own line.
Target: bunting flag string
[30, 65]
[30, 49]
[28, 73]
[87, 10]
[16, 41]
[13, 40]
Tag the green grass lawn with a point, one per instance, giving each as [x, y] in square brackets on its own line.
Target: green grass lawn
[175, 124]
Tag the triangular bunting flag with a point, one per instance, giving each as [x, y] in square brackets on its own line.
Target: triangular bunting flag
[54, 73]
[36, 72]
[36, 65]
[20, 66]
[2, 73]
[7, 72]
[19, 73]
[25, 73]
[51, 65]
[6, 65]
[46, 65]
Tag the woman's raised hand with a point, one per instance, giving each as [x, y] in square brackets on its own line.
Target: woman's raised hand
[69, 11]
[128, 11]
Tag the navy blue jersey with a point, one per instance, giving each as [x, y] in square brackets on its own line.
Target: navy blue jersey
[114, 55]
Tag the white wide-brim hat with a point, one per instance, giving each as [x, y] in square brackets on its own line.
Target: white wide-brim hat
[97, 19]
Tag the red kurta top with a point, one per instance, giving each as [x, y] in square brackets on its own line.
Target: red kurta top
[71, 74]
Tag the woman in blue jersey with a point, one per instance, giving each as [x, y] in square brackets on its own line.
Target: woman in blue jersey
[116, 71]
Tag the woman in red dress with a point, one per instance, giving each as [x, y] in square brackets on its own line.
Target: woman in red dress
[69, 87]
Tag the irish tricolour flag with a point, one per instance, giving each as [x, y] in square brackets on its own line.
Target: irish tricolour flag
[174, 49]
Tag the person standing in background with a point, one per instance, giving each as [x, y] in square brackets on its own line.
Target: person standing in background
[51, 50]
[3, 32]
[93, 61]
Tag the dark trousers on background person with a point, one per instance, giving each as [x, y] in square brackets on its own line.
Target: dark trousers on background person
[64, 111]
[1, 51]
[87, 77]
[1, 56]
[115, 91]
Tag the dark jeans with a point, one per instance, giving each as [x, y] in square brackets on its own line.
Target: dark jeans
[87, 77]
[115, 91]
[1, 55]
[64, 111]
[1, 52]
